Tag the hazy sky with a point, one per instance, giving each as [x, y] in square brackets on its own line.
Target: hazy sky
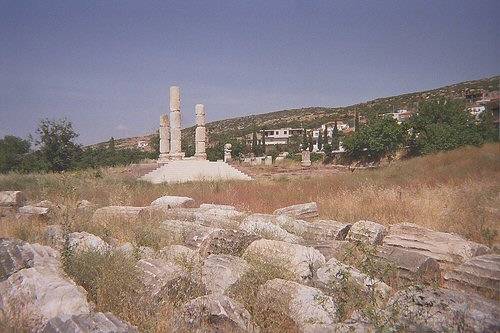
[107, 65]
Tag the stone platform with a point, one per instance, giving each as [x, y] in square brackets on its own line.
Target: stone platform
[194, 170]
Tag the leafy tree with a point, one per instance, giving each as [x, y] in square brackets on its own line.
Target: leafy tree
[305, 140]
[320, 140]
[356, 120]
[294, 144]
[254, 143]
[263, 140]
[56, 144]
[443, 125]
[380, 137]
[311, 142]
[335, 136]
[325, 135]
[12, 151]
[154, 143]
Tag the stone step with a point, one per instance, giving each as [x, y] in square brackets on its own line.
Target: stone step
[194, 170]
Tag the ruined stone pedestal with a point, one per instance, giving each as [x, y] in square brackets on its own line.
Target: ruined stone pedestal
[227, 152]
[306, 158]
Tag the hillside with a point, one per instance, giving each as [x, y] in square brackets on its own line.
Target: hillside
[314, 116]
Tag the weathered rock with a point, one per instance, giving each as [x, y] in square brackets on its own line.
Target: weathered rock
[220, 218]
[213, 313]
[338, 249]
[126, 249]
[325, 231]
[53, 235]
[226, 241]
[301, 304]
[291, 261]
[480, 273]
[84, 205]
[305, 210]
[413, 266]
[260, 225]
[221, 271]
[179, 232]
[32, 296]
[158, 276]
[178, 214]
[16, 255]
[83, 241]
[367, 232]
[145, 252]
[171, 201]
[34, 210]
[216, 206]
[335, 273]
[50, 205]
[442, 310]
[196, 237]
[447, 249]
[122, 213]
[96, 322]
[12, 198]
[182, 256]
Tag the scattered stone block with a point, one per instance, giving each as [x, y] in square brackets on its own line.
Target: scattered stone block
[213, 313]
[305, 210]
[145, 252]
[53, 235]
[182, 256]
[12, 198]
[220, 218]
[83, 241]
[216, 206]
[126, 249]
[180, 214]
[259, 224]
[412, 266]
[325, 231]
[84, 205]
[289, 223]
[221, 271]
[441, 310]
[481, 274]
[448, 249]
[291, 261]
[159, 276]
[123, 213]
[301, 304]
[16, 255]
[171, 201]
[32, 296]
[177, 231]
[335, 273]
[195, 238]
[226, 241]
[367, 232]
[34, 211]
[96, 322]
[338, 249]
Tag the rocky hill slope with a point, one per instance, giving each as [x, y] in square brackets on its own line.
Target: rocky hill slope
[314, 116]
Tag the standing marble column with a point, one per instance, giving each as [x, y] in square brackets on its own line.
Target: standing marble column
[164, 139]
[175, 121]
[201, 133]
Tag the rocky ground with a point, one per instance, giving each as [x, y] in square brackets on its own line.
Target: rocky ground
[223, 270]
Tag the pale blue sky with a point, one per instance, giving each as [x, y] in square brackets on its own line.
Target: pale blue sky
[107, 65]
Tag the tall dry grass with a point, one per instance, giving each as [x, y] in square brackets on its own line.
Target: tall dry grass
[456, 191]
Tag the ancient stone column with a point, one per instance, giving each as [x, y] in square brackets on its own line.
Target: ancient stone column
[164, 139]
[201, 133]
[175, 122]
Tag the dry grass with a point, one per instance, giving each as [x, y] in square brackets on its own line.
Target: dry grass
[456, 191]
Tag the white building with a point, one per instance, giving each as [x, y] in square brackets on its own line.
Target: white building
[281, 135]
